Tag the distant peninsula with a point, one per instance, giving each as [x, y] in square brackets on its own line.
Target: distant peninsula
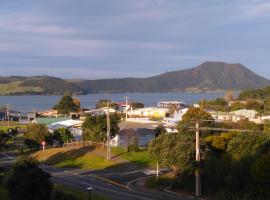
[207, 77]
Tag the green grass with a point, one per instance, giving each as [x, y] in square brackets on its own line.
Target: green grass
[78, 194]
[141, 158]
[84, 158]
[14, 87]
[4, 127]
[164, 181]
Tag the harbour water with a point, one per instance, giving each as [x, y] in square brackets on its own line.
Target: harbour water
[42, 102]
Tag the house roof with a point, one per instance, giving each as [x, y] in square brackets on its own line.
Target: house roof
[49, 120]
[134, 125]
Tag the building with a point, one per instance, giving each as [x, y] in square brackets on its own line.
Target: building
[169, 104]
[134, 133]
[177, 116]
[9, 115]
[74, 126]
[150, 112]
[236, 116]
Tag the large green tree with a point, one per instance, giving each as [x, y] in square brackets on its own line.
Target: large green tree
[36, 133]
[28, 182]
[104, 103]
[66, 105]
[174, 150]
[95, 127]
[62, 135]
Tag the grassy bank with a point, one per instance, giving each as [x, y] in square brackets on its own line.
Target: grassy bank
[84, 158]
[93, 157]
[140, 158]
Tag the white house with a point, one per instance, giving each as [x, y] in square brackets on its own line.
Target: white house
[168, 104]
[149, 112]
[74, 126]
[177, 116]
[236, 116]
[130, 133]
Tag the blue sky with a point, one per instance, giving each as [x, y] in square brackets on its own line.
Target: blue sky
[94, 39]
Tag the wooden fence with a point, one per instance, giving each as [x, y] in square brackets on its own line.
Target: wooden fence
[82, 144]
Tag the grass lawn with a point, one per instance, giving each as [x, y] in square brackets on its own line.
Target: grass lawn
[164, 181]
[140, 158]
[78, 194]
[93, 157]
[84, 158]
[4, 127]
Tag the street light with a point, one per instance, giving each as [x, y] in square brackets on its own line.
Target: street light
[89, 189]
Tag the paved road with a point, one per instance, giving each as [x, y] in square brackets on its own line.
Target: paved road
[114, 184]
[130, 191]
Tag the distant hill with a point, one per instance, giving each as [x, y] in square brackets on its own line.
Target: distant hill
[17, 85]
[207, 77]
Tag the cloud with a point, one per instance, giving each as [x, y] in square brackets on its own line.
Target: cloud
[126, 37]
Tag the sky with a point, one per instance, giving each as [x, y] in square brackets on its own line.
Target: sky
[93, 39]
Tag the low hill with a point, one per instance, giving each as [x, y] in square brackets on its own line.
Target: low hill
[17, 85]
[207, 77]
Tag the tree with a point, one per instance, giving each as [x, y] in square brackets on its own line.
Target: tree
[66, 105]
[95, 127]
[28, 182]
[136, 105]
[62, 135]
[260, 172]
[174, 150]
[248, 145]
[160, 129]
[104, 103]
[192, 115]
[36, 133]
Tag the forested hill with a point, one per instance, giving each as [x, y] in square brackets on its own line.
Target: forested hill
[207, 77]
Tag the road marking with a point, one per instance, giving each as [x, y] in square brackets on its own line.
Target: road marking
[109, 181]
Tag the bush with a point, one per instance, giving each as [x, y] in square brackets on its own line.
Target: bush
[59, 195]
[133, 148]
[28, 182]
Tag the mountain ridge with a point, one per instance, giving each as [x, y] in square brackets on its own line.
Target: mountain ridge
[206, 77]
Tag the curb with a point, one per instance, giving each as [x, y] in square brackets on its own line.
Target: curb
[189, 196]
[109, 181]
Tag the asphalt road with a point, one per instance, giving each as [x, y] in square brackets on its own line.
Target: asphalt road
[114, 184]
[128, 189]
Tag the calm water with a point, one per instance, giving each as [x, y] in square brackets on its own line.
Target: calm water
[29, 103]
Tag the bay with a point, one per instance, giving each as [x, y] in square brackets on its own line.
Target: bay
[26, 104]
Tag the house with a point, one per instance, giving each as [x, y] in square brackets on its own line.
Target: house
[48, 113]
[49, 120]
[177, 116]
[236, 116]
[168, 104]
[10, 115]
[134, 133]
[150, 112]
[74, 126]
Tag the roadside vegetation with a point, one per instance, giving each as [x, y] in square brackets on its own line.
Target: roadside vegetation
[25, 181]
[234, 166]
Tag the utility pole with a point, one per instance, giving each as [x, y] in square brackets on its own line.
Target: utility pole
[126, 107]
[198, 160]
[108, 131]
[157, 170]
[8, 113]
